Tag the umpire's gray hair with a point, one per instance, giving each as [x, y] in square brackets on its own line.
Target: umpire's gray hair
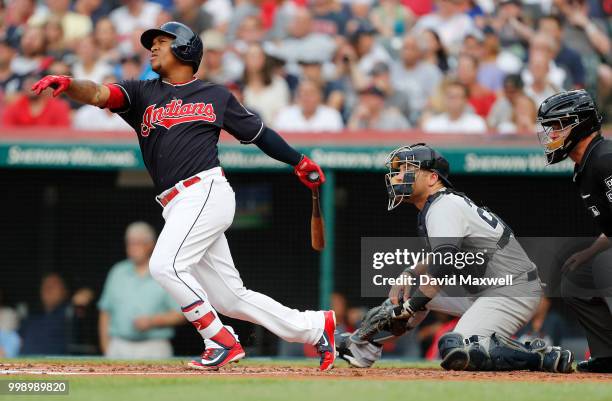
[141, 229]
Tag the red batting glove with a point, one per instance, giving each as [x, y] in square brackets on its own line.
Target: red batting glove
[58, 82]
[309, 173]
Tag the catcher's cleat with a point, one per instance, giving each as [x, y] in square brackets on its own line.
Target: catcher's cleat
[595, 365]
[326, 345]
[215, 358]
[343, 343]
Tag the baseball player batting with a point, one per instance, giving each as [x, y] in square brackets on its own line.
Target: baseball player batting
[451, 223]
[178, 119]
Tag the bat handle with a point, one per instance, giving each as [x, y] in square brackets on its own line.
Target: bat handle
[313, 177]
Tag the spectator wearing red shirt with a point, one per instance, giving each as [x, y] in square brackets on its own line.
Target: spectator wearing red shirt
[29, 110]
[481, 99]
[419, 7]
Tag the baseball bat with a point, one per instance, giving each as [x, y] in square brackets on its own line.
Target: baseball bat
[317, 227]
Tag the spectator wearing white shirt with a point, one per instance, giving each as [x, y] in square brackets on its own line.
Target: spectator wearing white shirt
[32, 56]
[89, 65]
[414, 75]
[105, 35]
[449, 22]
[91, 118]
[221, 10]
[134, 14]
[74, 25]
[543, 44]
[369, 52]
[457, 118]
[264, 92]
[308, 114]
[540, 86]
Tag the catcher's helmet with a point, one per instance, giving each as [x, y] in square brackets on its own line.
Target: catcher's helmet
[186, 46]
[420, 156]
[563, 120]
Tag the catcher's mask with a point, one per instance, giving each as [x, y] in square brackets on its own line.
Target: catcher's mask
[563, 120]
[414, 157]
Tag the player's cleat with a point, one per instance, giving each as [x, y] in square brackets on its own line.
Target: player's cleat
[558, 361]
[215, 358]
[595, 365]
[343, 343]
[327, 344]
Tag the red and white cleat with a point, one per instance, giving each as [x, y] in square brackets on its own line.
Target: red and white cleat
[215, 358]
[326, 345]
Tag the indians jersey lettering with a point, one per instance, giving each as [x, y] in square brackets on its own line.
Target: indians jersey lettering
[178, 125]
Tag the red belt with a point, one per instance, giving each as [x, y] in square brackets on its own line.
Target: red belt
[164, 200]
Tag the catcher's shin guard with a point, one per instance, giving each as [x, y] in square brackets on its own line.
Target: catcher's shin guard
[357, 355]
[501, 354]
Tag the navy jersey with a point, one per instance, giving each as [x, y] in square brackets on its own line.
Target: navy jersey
[178, 125]
[594, 180]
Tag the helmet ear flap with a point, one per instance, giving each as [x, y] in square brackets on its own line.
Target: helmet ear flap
[182, 51]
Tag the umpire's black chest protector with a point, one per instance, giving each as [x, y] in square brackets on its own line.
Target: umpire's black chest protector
[593, 178]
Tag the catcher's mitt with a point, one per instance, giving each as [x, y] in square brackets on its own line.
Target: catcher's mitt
[377, 320]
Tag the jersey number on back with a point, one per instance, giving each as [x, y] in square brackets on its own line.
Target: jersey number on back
[489, 218]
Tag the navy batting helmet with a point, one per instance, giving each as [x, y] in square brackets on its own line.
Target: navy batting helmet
[419, 156]
[563, 120]
[186, 44]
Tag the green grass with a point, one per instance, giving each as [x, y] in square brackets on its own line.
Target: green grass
[254, 389]
[192, 388]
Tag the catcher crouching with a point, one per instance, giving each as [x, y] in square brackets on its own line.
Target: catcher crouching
[449, 223]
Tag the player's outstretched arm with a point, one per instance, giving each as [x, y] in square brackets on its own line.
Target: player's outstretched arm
[81, 90]
[272, 144]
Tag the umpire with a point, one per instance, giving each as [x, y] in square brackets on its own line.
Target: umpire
[569, 124]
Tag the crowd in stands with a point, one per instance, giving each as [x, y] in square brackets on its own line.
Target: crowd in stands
[469, 66]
